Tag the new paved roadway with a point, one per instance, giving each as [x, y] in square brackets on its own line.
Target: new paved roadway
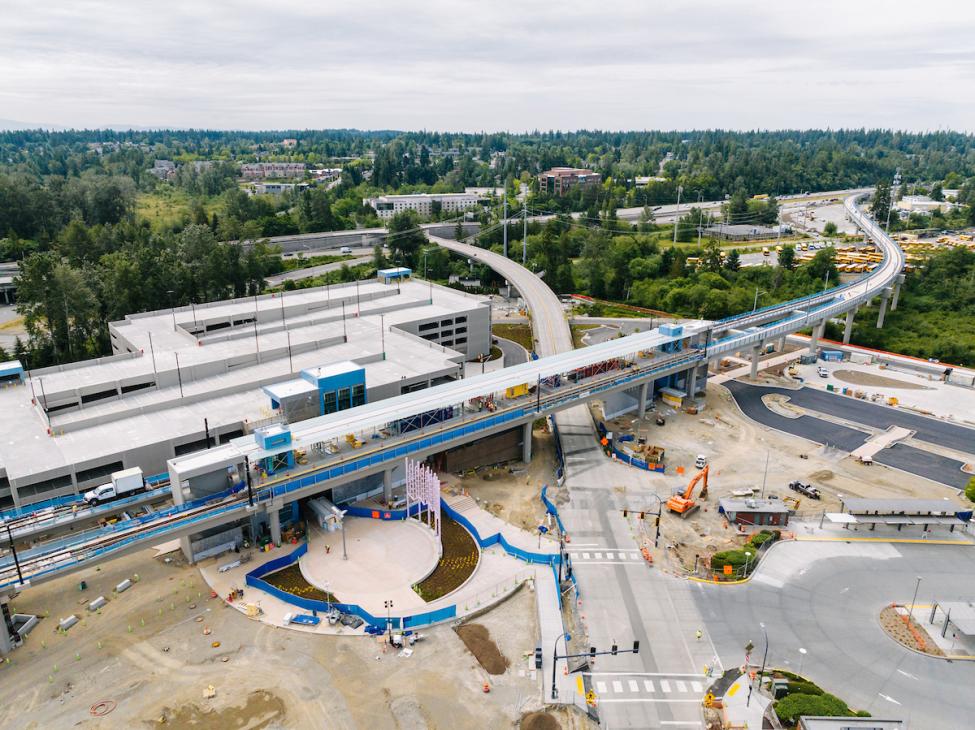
[901, 456]
[826, 597]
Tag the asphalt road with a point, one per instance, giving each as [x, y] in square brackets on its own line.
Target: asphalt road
[514, 354]
[901, 456]
[826, 598]
[307, 273]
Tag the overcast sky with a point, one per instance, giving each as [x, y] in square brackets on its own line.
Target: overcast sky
[489, 65]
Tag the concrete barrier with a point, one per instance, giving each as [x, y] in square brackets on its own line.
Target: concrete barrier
[123, 586]
[97, 603]
[66, 623]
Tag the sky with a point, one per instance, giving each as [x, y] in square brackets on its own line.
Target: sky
[455, 65]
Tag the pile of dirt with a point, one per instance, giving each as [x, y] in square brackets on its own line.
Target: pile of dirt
[539, 721]
[262, 710]
[478, 641]
[823, 475]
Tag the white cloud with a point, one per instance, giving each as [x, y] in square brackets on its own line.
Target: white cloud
[442, 64]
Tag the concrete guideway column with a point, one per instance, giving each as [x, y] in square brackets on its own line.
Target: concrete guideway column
[526, 444]
[692, 382]
[756, 354]
[388, 486]
[817, 332]
[6, 639]
[897, 292]
[884, 299]
[848, 328]
[642, 407]
[782, 340]
[274, 518]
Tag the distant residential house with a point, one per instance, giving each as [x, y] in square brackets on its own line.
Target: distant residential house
[559, 180]
[264, 170]
[163, 169]
[289, 144]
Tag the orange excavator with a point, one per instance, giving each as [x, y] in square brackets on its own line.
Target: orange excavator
[683, 504]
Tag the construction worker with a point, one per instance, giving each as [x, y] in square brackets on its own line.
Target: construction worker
[699, 634]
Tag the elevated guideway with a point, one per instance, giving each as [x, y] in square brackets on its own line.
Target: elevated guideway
[397, 427]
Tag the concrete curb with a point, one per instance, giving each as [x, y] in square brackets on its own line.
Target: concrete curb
[945, 658]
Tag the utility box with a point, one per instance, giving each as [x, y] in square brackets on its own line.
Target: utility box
[831, 355]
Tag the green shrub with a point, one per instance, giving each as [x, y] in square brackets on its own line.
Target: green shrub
[806, 688]
[970, 490]
[760, 538]
[792, 707]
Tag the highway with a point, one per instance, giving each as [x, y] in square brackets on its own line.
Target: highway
[307, 273]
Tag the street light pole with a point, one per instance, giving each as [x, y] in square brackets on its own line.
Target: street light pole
[910, 612]
[172, 307]
[680, 189]
[755, 303]
[389, 620]
[762, 671]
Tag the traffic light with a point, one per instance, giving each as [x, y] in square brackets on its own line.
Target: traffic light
[592, 652]
[626, 512]
[616, 650]
[636, 647]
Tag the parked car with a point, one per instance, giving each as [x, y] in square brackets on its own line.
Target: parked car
[822, 372]
[701, 461]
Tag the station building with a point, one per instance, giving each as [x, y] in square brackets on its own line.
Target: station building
[192, 378]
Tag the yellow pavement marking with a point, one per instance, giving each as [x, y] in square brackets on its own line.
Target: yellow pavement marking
[734, 688]
[814, 538]
[579, 686]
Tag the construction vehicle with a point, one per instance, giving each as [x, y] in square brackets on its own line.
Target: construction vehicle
[792, 503]
[684, 504]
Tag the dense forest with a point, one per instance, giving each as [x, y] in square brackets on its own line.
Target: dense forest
[98, 236]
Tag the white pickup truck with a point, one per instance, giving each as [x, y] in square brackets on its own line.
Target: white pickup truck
[124, 483]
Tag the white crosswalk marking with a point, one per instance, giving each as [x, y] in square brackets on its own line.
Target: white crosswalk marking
[681, 687]
[633, 685]
[664, 685]
[634, 556]
[599, 556]
[648, 685]
[696, 687]
[601, 687]
[585, 556]
[617, 686]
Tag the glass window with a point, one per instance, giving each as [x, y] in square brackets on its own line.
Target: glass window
[328, 402]
[358, 395]
[345, 398]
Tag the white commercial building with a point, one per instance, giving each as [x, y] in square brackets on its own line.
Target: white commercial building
[387, 206]
[217, 371]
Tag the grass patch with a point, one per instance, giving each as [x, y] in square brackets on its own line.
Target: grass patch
[290, 580]
[168, 206]
[578, 330]
[520, 333]
[456, 565]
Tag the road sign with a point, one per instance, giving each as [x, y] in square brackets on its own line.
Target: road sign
[590, 698]
[727, 570]
[709, 700]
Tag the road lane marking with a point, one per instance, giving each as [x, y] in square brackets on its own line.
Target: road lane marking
[681, 687]
[907, 674]
[601, 687]
[633, 685]
[696, 687]
[889, 699]
[682, 723]
[603, 700]
[585, 556]
[599, 556]
[643, 674]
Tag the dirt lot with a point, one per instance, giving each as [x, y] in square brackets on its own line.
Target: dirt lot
[512, 493]
[736, 448]
[147, 652]
[857, 377]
